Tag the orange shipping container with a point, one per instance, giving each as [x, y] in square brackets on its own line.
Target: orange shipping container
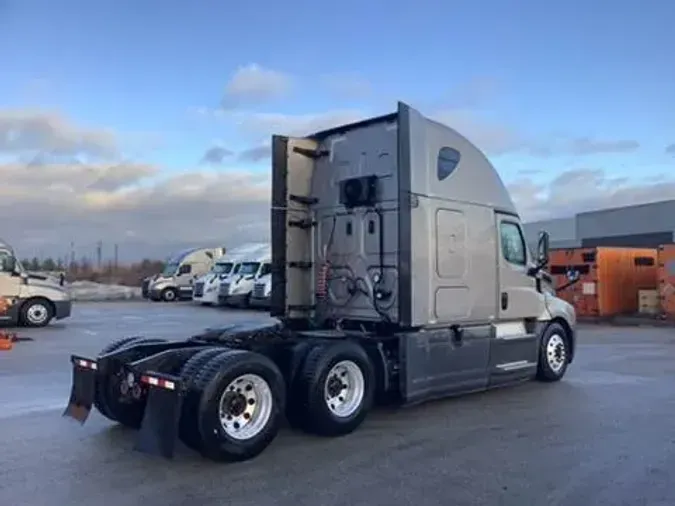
[667, 279]
[609, 278]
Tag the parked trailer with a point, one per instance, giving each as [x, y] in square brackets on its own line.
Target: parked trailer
[407, 281]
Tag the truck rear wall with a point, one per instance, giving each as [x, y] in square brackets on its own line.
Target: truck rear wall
[610, 278]
[666, 258]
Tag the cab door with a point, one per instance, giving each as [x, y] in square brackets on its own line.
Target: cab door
[185, 279]
[514, 348]
[10, 288]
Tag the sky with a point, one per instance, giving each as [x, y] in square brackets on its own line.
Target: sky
[146, 123]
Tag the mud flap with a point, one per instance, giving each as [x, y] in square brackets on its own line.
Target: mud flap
[82, 390]
[159, 428]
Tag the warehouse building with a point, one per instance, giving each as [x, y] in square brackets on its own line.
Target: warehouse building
[639, 226]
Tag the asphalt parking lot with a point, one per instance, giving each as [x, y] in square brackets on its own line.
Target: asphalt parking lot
[603, 436]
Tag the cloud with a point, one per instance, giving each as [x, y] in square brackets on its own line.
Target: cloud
[350, 86]
[582, 190]
[670, 150]
[584, 146]
[253, 84]
[215, 155]
[266, 124]
[131, 205]
[28, 131]
[469, 94]
[256, 154]
[493, 138]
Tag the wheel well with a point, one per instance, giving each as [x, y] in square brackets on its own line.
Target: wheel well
[48, 302]
[568, 334]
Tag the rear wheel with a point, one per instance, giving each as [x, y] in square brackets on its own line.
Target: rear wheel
[553, 354]
[188, 428]
[241, 406]
[334, 391]
[109, 399]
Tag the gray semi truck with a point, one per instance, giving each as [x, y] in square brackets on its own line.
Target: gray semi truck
[400, 274]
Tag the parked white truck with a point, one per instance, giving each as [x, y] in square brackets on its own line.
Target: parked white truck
[236, 290]
[205, 289]
[177, 279]
[262, 291]
[400, 275]
[33, 300]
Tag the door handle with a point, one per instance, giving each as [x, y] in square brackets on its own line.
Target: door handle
[505, 301]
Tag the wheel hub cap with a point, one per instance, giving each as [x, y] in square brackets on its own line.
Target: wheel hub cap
[245, 407]
[556, 353]
[344, 388]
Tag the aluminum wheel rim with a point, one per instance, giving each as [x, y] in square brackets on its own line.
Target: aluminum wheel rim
[245, 407]
[344, 388]
[556, 354]
[37, 313]
[169, 295]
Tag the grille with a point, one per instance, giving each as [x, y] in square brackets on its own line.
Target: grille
[259, 291]
[199, 289]
[224, 289]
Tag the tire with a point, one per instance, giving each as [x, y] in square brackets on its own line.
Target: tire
[36, 312]
[310, 408]
[554, 354]
[217, 378]
[169, 295]
[99, 402]
[188, 427]
[107, 396]
[246, 303]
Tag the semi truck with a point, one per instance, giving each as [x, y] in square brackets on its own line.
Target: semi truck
[207, 288]
[32, 300]
[262, 291]
[400, 274]
[176, 281]
[236, 290]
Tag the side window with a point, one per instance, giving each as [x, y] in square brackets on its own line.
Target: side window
[266, 269]
[236, 269]
[185, 269]
[513, 243]
[448, 159]
[4, 261]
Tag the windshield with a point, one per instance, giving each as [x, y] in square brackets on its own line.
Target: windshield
[248, 268]
[223, 268]
[170, 269]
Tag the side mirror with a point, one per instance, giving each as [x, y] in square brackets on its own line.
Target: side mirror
[543, 248]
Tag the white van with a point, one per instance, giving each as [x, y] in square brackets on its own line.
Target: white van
[34, 300]
[176, 280]
[237, 290]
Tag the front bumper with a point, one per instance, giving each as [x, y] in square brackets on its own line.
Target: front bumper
[63, 309]
[237, 299]
[260, 302]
